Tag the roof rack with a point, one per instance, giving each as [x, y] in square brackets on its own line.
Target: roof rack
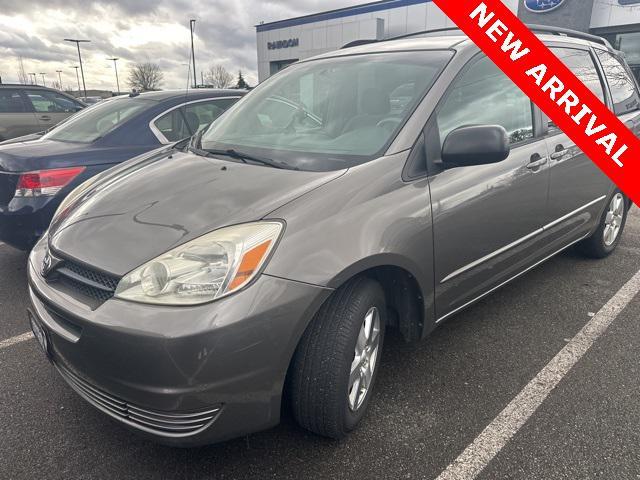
[565, 32]
[357, 43]
[423, 32]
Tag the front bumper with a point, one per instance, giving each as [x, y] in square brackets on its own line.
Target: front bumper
[228, 358]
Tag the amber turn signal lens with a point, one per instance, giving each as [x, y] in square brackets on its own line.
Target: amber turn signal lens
[249, 264]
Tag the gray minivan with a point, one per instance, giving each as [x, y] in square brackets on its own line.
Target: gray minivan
[26, 109]
[185, 293]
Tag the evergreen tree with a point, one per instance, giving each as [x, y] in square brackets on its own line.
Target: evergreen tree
[241, 83]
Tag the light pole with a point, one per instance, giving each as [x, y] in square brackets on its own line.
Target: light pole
[44, 82]
[59, 72]
[115, 65]
[34, 79]
[78, 42]
[192, 27]
[78, 78]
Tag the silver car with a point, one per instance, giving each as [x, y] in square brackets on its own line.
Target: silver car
[187, 292]
[27, 109]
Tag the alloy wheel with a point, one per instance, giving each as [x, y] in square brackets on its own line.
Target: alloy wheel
[364, 359]
[613, 220]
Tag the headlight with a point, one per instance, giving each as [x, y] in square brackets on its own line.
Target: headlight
[205, 269]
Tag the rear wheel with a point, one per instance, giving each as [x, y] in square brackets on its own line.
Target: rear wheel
[335, 366]
[606, 238]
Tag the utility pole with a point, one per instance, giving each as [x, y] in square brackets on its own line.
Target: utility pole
[78, 42]
[78, 78]
[44, 82]
[34, 80]
[115, 65]
[192, 27]
[59, 72]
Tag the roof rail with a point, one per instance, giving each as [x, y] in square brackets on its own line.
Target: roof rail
[357, 43]
[423, 32]
[567, 32]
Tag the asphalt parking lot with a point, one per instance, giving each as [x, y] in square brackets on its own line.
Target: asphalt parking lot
[433, 398]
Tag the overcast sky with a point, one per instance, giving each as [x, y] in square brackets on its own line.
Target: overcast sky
[138, 31]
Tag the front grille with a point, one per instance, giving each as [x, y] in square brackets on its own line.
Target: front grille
[167, 424]
[90, 283]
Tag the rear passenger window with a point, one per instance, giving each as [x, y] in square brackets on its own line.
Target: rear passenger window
[173, 126]
[11, 102]
[581, 64]
[483, 95]
[621, 83]
[202, 114]
[185, 121]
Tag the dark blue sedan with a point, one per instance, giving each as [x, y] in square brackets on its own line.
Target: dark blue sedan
[36, 175]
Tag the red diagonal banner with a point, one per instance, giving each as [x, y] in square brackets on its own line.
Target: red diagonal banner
[530, 64]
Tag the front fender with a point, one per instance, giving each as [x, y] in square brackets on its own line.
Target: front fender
[367, 218]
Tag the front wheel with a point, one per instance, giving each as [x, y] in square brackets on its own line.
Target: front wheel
[607, 236]
[336, 363]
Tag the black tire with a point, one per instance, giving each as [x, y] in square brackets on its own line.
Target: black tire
[322, 363]
[595, 245]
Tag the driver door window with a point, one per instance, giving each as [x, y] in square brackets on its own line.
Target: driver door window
[483, 95]
[50, 107]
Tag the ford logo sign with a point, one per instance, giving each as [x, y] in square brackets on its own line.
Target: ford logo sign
[542, 6]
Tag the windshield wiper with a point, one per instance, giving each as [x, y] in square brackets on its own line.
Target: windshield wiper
[245, 157]
[195, 146]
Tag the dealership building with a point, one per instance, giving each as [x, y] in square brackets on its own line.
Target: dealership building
[286, 41]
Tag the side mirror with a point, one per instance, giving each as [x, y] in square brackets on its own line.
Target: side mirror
[476, 145]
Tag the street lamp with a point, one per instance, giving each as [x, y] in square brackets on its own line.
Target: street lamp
[77, 78]
[78, 42]
[44, 82]
[192, 27]
[115, 65]
[59, 72]
[34, 79]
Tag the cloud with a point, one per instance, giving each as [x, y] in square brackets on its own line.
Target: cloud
[138, 31]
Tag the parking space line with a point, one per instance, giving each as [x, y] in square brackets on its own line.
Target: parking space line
[18, 339]
[498, 433]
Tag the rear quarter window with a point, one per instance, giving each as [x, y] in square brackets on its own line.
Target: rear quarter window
[624, 92]
[11, 102]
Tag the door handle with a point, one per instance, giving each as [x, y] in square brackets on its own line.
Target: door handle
[45, 118]
[537, 161]
[560, 152]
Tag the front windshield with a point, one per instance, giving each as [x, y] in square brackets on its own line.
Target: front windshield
[331, 113]
[96, 121]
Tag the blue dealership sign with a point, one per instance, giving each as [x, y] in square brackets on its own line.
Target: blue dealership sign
[542, 6]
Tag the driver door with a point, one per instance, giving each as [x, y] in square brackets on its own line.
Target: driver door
[487, 218]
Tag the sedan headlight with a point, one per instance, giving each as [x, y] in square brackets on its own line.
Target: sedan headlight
[205, 269]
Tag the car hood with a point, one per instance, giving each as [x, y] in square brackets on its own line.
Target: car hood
[146, 207]
[44, 154]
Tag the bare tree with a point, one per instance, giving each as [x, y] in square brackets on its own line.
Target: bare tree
[23, 78]
[218, 77]
[146, 76]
